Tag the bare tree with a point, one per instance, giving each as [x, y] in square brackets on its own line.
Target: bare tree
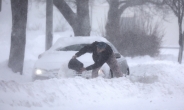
[177, 6]
[18, 35]
[116, 8]
[79, 21]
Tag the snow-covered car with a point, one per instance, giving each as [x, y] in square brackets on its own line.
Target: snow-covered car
[54, 62]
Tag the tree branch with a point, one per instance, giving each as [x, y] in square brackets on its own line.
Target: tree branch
[67, 12]
[122, 8]
[172, 6]
[121, 2]
[156, 2]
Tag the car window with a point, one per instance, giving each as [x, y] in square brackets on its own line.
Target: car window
[75, 47]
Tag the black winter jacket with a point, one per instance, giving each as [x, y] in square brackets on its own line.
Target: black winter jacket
[100, 58]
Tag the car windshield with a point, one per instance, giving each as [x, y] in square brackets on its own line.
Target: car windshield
[77, 47]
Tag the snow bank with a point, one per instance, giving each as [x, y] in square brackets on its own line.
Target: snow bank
[153, 84]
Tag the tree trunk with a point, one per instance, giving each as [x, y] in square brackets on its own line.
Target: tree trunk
[113, 23]
[18, 35]
[83, 27]
[49, 24]
[180, 55]
[0, 4]
[180, 40]
[79, 22]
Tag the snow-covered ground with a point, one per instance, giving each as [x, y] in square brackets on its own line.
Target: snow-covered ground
[154, 83]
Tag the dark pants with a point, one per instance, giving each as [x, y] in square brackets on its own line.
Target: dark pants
[113, 64]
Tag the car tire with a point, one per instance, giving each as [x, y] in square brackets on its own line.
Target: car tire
[111, 74]
[127, 72]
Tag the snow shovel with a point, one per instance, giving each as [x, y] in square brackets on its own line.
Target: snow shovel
[75, 64]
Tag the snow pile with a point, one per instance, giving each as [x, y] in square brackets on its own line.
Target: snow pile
[153, 84]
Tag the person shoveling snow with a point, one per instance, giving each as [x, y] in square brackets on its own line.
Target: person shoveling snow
[102, 53]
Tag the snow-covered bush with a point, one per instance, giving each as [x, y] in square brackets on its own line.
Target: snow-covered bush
[139, 37]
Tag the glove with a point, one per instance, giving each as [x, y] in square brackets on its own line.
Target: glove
[82, 69]
[74, 57]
